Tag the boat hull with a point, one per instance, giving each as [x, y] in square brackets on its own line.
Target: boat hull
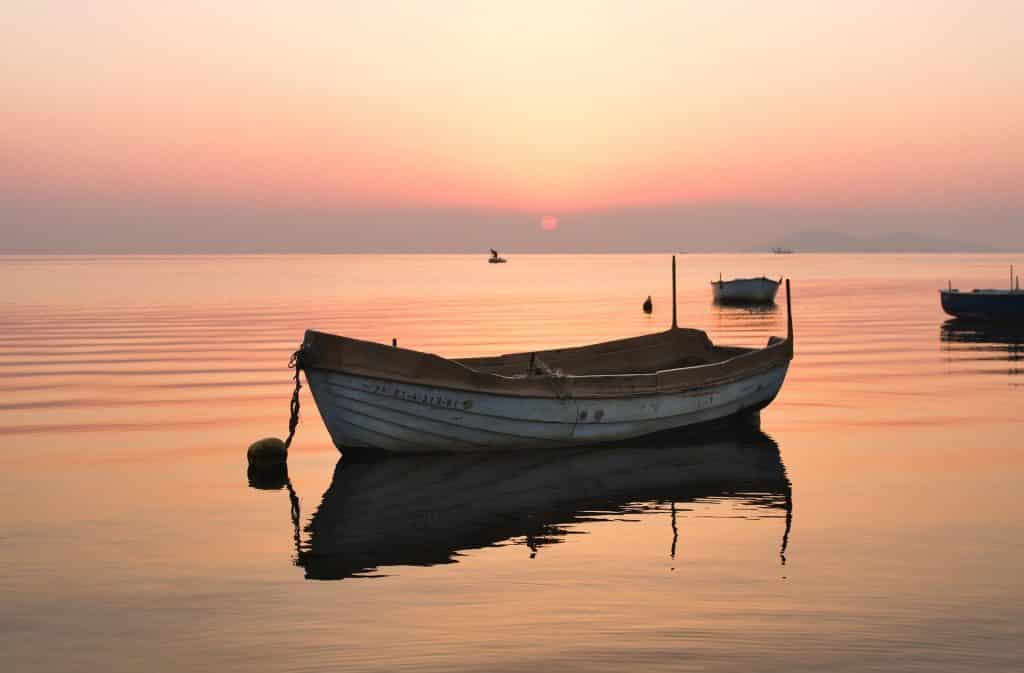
[745, 291]
[393, 416]
[998, 306]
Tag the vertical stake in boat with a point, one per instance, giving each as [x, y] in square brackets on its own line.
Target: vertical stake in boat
[789, 316]
[675, 323]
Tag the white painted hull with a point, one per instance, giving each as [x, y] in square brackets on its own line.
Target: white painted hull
[747, 290]
[370, 413]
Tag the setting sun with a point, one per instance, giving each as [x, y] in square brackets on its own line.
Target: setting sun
[549, 223]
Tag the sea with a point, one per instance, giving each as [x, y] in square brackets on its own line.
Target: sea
[872, 521]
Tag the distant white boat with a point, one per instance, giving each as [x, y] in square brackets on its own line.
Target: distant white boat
[746, 290]
[782, 251]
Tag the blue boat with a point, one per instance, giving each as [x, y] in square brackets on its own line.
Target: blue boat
[991, 305]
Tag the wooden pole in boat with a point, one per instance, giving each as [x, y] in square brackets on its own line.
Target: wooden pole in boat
[788, 314]
[675, 323]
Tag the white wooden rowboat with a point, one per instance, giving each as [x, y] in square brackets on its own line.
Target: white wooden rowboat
[377, 397]
[746, 290]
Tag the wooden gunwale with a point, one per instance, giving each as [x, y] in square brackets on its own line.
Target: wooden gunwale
[389, 364]
[744, 280]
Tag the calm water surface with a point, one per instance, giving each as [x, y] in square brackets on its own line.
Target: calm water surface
[873, 522]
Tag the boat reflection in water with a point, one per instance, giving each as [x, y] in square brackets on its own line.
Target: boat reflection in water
[745, 316]
[745, 323]
[985, 342]
[425, 510]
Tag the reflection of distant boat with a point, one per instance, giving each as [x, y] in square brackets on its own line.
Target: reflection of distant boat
[425, 510]
[985, 341]
[741, 309]
[782, 251]
[495, 258]
[745, 290]
[994, 305]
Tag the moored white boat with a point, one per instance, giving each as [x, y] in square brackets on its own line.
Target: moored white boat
[377, 397]
[746, 290]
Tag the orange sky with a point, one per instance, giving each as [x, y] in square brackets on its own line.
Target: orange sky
[539, 107]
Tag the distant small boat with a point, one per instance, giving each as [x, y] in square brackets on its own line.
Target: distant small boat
[992, 305]
[648, 305]
[745, 290]
[782, 251]
[495, 258]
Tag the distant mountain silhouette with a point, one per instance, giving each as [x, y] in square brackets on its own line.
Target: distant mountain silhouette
[819, 240]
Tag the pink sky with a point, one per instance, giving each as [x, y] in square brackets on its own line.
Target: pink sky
[531, 107]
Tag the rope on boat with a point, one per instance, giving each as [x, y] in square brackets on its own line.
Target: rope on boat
[294, 362]
[555, 378]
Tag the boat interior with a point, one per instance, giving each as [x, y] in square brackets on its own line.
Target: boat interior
[672, 349]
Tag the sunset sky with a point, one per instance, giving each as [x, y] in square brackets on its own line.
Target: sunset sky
[128, 126]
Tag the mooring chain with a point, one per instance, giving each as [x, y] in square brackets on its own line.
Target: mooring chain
[294, 362]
